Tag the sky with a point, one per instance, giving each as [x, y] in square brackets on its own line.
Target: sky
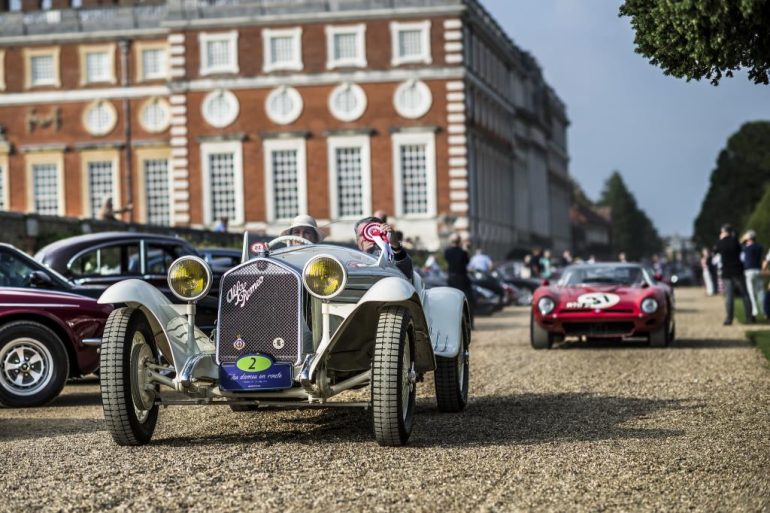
[662, 133]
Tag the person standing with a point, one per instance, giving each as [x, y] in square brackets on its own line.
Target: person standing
[709, 272]
[751, 257]
[545, 264]
[480, 262]
[729, 250]
[457, 260]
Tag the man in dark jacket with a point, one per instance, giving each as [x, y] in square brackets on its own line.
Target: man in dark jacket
[729, 250]
[457, 260]
[401, 258]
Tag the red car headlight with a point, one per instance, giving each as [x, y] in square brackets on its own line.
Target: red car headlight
[545, 305]
[649, 305]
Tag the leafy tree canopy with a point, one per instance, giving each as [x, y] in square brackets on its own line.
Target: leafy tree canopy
[697, 39]
[737, 183]
[632, 231]
[760, 219]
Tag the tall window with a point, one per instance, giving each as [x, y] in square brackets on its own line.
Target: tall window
[100, 184]
[410, 43]
[45, 185]
[97, 67]
[157, 191]
[3, 188]
[218, 52]
[415, 161]
[285, 191]
[153, 63]
[282, 49]
[42, 70]
[345, 46]
[350, 176]
[223, 182]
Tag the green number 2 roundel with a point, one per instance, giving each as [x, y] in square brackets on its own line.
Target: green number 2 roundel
[254, 363]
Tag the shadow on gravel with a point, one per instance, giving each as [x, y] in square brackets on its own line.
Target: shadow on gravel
[27, 429]
[679, 343]
[77, 399]
[540, 418]
[493, 420]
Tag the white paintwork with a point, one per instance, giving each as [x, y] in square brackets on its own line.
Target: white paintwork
[443, 308]
[139, 294]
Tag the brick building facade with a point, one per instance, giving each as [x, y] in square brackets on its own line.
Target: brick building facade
[258, 110]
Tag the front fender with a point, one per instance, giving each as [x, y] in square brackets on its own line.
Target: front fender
[169, 326]
[445, 308]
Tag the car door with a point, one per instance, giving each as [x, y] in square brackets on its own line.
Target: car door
[103, 265]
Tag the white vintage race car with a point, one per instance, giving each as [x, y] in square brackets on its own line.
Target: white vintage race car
[296, 326]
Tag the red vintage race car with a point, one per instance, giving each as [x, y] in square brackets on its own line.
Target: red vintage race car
[612, 300]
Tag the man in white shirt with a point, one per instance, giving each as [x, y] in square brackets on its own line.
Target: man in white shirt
[480, 262]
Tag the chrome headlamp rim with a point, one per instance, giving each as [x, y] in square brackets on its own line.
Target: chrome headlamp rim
[207, 286]
[647, 301]
[546, 311]
[339, 289]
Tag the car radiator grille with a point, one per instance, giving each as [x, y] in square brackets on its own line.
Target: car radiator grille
[259, 312]
[598, 329]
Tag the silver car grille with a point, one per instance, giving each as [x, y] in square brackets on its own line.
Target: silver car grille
[259, 312]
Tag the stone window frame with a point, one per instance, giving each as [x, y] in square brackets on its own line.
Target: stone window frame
[397, 27]
[400, 139]
[139, 48]
[29, 53]
[359, 61]
[416, 113]
[281, 144]
[230, 98]
[5, 178]
[299, 105]
[2, 70]
[113, 115]
[50, 157]
[206, 67]
[236, 148]
[295, 64]
[84, 50]
[363, 142]
[360, 95]
[164, 105]
[103, 155]
[143, 155]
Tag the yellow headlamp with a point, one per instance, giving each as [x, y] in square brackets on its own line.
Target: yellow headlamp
[189, 278]
[324, 276]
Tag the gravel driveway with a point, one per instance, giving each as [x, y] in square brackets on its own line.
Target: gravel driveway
[578, 428]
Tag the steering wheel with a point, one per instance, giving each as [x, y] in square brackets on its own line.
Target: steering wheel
[288, 238]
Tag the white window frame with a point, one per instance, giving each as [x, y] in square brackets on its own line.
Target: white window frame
[292, 116]
[271, 145]
[163, 104]
[236, 148]
[29, 53]
[86, 158]
[112, 113]
[358, 141]
[295, 64]
[142, 156]
[109, 72]
[422, 109]
[359, 60]
[396, 58]
[230, 98]
[4, 176]
[360, 96]
[429, 140]
[141, 74]
[206, 68]
[55, 158]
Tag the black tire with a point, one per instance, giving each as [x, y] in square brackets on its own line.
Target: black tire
[661, 336]
[119, 383]
[452, 376]
[34, 364]
[538, 336]
[393, 387]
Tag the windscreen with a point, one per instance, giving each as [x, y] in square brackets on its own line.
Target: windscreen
[612, 275]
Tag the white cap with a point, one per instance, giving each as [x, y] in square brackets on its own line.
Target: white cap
[305, 221]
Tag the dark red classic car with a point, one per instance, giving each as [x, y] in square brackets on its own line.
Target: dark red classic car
[41, 342]
[615, 300]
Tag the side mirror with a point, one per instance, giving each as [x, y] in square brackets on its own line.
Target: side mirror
[40, 279]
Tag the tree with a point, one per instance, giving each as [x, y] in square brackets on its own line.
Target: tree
[632, 231]
[737, 183]
[760, 219]
[697, 39]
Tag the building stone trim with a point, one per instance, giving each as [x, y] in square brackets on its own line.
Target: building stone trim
[341, 132]
[235, 136]
[290, 134]
[42, 148]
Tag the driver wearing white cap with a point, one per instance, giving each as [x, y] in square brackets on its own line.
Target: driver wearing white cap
[304, 226]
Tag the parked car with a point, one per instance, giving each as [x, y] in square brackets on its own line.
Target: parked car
[99, 260]
[297, 326]
[42, 336]
[17, 269]
[486, 302]
[222, 258]
[609, 300]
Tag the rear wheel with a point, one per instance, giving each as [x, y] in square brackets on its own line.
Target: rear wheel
[452, 376]
[539, 336]
[33, 364]
[130, 412]
[393, 378]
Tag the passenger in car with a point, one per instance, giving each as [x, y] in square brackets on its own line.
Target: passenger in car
[304, 226]
[401, 258]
